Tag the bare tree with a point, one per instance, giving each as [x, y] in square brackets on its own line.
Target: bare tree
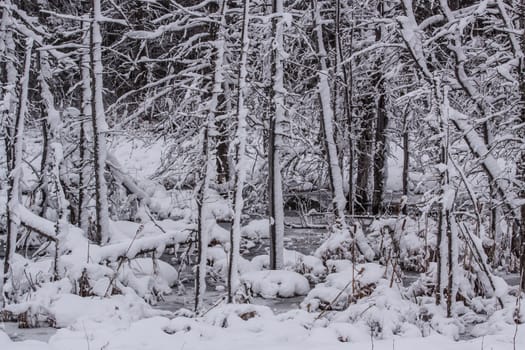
[100, 127]
[240, 156]
[275, 143]
[16, 151]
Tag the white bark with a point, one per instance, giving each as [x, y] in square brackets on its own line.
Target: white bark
[100, 126]
[275, 183]
[85, 171]
[240, 165]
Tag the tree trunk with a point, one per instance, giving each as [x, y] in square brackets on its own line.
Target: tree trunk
[100, 127]
[447, 240]
[380, 156]
[521, 165]
[85, 112]
[240, 158]
[348, 98]
[327, 122]
[209, 152]
[364, 151]
[9, 76]
[406, 160]
[277, 117]
[15, 174]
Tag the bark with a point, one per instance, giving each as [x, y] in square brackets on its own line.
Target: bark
[406, 159]
[85, 159]
[380, 156]
[43, 176]
[445, 235]
[240, 158]
[364, 150]
[223, 138]
[100, 127]
[275, 143]
[521, 165]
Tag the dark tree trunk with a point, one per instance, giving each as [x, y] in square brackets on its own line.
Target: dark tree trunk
[364, 151]
[380, 157]
[223, 142]
[380, 134]
[406, 157]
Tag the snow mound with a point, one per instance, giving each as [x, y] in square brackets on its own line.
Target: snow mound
[291, 259]
[275, 283]
[148, 267]
[384, 314]
[230, 314]
[325, 298]
[256, 229]
[340, 245]
[311, 266]
[55, 306]
[343, 287]
[149, 279]
[124, 231]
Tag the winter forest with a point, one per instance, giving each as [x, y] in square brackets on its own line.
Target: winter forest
[262, 174]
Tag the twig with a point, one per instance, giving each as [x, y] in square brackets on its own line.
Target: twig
[153, 220]
[122, 259]
[337, 296]
[217, 303]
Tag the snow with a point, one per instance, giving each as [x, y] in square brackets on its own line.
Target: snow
[354, 288]
[394, 180]
[247, 327]
[339, 245]
[343, 286]
[275, 283]
[146, 267]
[256, 229]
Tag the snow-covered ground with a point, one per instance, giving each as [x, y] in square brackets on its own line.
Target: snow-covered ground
[232, 327]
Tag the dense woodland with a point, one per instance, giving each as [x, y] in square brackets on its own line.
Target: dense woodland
[398, 124]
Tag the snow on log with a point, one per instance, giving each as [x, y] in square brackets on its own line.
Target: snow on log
[276, 283]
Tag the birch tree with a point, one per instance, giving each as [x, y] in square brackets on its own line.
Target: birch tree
[521, 164]
[240, 156]
[100, 127]
[275, 142]
[85, 108]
